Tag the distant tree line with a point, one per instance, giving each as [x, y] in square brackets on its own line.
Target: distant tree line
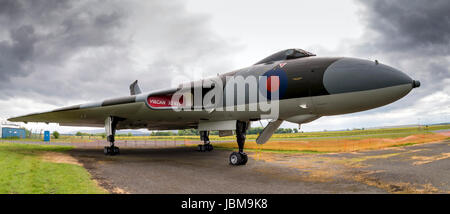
[184, 132]
[83, 134]
[56, 134]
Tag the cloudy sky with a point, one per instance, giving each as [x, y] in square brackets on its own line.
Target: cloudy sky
[55, 52]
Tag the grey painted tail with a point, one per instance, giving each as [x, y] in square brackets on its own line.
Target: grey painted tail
[134, 88]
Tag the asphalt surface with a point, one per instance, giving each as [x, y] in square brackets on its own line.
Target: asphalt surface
[421, 168]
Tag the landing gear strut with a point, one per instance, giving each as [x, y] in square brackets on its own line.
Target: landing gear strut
[240, 158]
[206, 146]
[110, 128]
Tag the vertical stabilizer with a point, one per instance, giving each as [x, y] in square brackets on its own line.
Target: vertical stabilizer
[134, 88]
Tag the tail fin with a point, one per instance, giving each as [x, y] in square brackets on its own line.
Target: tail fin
[134, 88]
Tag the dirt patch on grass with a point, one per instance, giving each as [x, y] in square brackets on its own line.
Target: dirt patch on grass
[103, 183]
[91, 165]
[59, 157]
[428, 159]
[445, 134]
[316, 168]
[395, 187]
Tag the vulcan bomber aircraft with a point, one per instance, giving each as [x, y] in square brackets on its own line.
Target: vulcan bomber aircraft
[291, 85]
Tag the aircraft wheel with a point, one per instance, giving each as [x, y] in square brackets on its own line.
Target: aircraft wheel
[111, 150]
[244, 158]
[116, 150]
[236, 159]
[209, 147]
[201, 148]
[106, 150]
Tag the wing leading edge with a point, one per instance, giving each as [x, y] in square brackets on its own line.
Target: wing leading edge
[94, 114]
[89, 114]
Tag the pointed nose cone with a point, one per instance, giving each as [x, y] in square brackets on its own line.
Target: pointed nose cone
[353, 75]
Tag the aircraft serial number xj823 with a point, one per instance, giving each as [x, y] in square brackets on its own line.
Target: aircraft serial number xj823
[291, 85]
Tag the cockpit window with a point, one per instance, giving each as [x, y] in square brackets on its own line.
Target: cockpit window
[286, 55]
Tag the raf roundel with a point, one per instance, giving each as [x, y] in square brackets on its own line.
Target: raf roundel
[276, 82]
[273, 83]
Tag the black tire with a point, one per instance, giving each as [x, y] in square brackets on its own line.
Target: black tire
[201, 148]
[116, 150]
[209, 147]
[235, 159]
[244, 158]
[106, 150]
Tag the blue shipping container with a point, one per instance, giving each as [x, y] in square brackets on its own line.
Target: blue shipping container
[13, 132]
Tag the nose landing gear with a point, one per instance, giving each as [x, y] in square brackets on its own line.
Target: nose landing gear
[237, 158]
[111, 150]
[240, 158]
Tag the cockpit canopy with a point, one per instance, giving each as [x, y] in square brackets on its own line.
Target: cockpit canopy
[288, 54]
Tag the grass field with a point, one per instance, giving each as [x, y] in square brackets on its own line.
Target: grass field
[308, 142]
[25, 169]
[350, 144]
[361, 134]
[385, 132]
[325, 141]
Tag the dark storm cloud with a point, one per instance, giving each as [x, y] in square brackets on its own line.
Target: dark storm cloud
[409, 25]
[15, 55]
[55, 51]
[39, 32]
[412, 35]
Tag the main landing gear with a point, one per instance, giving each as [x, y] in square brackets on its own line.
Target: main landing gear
[240, 158]
[206, 146]
[110, 128]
